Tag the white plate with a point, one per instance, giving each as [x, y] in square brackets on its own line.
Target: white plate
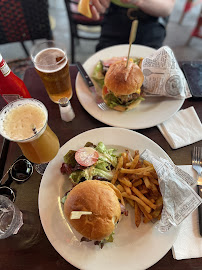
[132, 248]
[151, 112]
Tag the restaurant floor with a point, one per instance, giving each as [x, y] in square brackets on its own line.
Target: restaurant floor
[177, 35]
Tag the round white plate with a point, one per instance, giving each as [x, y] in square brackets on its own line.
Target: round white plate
[151, 112]
[133, 248]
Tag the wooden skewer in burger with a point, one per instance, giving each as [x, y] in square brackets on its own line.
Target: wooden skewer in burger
[123, 81]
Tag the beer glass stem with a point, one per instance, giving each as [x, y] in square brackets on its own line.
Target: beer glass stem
[40, 168]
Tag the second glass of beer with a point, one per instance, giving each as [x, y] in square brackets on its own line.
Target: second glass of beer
[25, 121]
[51, 63]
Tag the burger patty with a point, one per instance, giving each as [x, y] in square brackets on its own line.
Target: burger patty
[127, 98]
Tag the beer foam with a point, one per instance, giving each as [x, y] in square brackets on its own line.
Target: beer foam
[46, 60]
[20, 121]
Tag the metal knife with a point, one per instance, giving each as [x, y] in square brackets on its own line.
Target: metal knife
[89, 83]
[199, 191]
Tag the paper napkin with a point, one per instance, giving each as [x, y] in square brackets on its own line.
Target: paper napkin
[182, 129]
[189, 242]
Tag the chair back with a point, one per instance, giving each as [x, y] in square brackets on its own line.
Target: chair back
[23, 20]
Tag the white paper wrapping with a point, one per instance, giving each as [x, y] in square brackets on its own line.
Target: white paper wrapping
[179, 198]
[163, 76]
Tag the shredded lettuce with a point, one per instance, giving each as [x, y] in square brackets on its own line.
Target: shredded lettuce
[110, 238]
[137, 61]
[113, 101]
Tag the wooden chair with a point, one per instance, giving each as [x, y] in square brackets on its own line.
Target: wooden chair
[80, 26]
[23, 20]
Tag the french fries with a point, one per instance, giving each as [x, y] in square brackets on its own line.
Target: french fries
[137, 215]
[119, 165]
[138, 200]
[138, 183]
[125, 181]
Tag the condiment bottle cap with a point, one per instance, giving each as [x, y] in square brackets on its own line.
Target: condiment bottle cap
[64, 102]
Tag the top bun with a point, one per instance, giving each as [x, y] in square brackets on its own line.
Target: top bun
[99, 198]
[122, 80]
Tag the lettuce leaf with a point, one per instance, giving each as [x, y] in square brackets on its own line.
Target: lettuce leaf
[106, 155]
[137, 61]
[89, 173]
[103, 165]
[77, 176]
[113, 101]
[69, 158]
[103, 168]
[98, 75]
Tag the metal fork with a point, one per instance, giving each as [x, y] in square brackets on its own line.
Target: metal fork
[98, 99]
[197, 162]
[103, 106]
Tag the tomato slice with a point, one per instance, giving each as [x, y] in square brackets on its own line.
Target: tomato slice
[86, 156]
[113, 60]
[105, 90]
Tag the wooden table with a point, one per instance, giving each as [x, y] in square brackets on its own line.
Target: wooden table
[42, 255]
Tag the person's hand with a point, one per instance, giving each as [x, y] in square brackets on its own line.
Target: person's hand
[98, 7]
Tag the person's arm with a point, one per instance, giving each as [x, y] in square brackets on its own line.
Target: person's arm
[154, 8]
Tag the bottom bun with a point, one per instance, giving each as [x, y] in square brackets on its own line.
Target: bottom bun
[100, 199]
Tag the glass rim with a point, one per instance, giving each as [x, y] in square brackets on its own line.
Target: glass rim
[60, 47]
[12, 193]
[24, 100]
[11, 203]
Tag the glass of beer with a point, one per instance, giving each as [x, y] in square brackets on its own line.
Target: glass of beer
[51, 63]
[25, 121]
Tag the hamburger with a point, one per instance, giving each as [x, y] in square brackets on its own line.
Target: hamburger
[122, 86]
[93, 209]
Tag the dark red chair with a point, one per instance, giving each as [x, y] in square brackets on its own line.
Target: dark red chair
[76, 20]
[23, 20]
[187, 7]
[197, 31]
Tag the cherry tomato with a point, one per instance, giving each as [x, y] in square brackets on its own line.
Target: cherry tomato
[86, 156]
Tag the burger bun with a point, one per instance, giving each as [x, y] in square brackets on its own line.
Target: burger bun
[122, 80]
[99, 198]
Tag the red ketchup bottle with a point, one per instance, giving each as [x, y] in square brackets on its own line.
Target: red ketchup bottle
[11, 87]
